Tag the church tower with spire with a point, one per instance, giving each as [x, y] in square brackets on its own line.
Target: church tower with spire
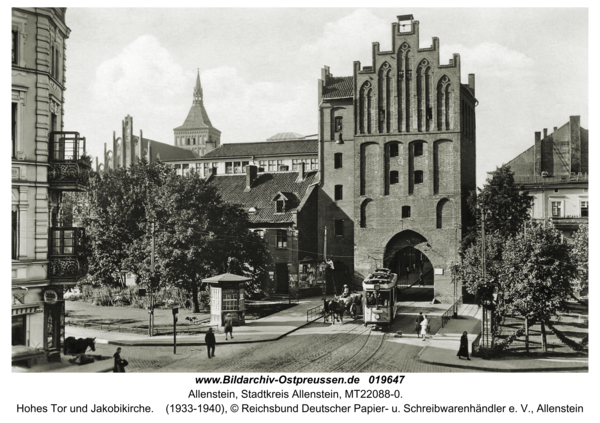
[197, 133]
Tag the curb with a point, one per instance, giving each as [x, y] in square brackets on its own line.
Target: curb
[516, 370]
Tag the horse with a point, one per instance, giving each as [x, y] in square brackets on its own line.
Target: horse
[79, 346]
[336, 307]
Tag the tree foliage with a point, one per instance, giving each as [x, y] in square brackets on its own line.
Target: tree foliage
[195, 231]
[506, 206]
[580, 251]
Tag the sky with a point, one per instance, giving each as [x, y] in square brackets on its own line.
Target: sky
[260, 67]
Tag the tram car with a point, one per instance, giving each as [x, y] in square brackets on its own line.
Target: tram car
[380, 297]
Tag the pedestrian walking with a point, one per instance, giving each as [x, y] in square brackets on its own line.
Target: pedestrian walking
[424, 327]
[418, 321]
[421, 278]
[119, 366]
[463, 351]
[210, 341]
[228, 326]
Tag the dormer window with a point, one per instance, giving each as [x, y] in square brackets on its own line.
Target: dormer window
[280, 207]
[252, 211]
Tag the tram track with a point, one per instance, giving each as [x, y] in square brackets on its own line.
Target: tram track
[349, 365]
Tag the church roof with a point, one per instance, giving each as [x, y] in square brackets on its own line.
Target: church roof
[338, 87]
[166, 151]
[264, 148]
[197, 118]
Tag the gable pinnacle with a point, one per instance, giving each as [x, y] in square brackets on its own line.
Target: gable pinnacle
[198, 90]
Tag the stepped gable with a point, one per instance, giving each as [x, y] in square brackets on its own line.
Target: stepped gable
[264, 189]
[338, 87]
[264, 148]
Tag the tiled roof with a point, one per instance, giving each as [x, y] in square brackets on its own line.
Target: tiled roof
[264, 148]
[197, 118]
[166, 151]
[338, 87]
[261, 195]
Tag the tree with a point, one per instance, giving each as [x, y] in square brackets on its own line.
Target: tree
[200, 235]
[195, 231]
[536, 275]
[506, 206]
[579, 252]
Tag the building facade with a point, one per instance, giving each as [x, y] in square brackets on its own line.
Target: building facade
[197, 133]
[555, 172]
[397, 157]
[46, 161]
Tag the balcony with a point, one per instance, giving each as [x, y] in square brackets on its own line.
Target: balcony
[68, 263]
[69, 166]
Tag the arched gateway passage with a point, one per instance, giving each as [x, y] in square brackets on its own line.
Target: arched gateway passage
[404, 257]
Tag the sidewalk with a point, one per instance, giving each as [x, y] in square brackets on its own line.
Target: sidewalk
[270, 328]
[442, 349]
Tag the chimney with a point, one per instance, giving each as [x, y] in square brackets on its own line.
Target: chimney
[472, 82]
[545, 132]
[555, 128]
[575, 141]
[537, 169]
[301, 172]
[251, 173]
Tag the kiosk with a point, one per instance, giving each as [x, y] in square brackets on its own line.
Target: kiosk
[227, 296]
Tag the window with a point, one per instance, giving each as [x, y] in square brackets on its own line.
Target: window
[18, 330]
[237, 167]
[260, 233]
[382, 115]
[280, 206]
[281, 239]
[337, 160]
[584, 209]
[405, 212]
[419, 149]
[338, 123]
[15, 108]
[15, 45]
[296, 164]
[63, 242]
[244, 165]
[229, 167]
[188, 141]
[272, 165]
[15, 233]
[185, 169]
[556, 209]
[393, 177]
[429, 113]
[262, 166]
[314, 164]
[338, 227]
[418, 176]
[338, 192]
[230, 301]
[53, 122]
[393, 150]
[281, 166]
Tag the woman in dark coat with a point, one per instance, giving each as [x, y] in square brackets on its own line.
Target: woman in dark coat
[118, 367]
[464, 346]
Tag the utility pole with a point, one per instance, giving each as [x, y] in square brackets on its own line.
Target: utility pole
[151, 318]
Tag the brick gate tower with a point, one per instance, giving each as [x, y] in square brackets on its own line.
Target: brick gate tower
[397, 156]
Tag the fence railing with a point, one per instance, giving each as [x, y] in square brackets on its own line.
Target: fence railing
[315, 313]
[451, 311]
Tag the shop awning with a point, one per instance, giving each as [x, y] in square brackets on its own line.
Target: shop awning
[18, 309]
